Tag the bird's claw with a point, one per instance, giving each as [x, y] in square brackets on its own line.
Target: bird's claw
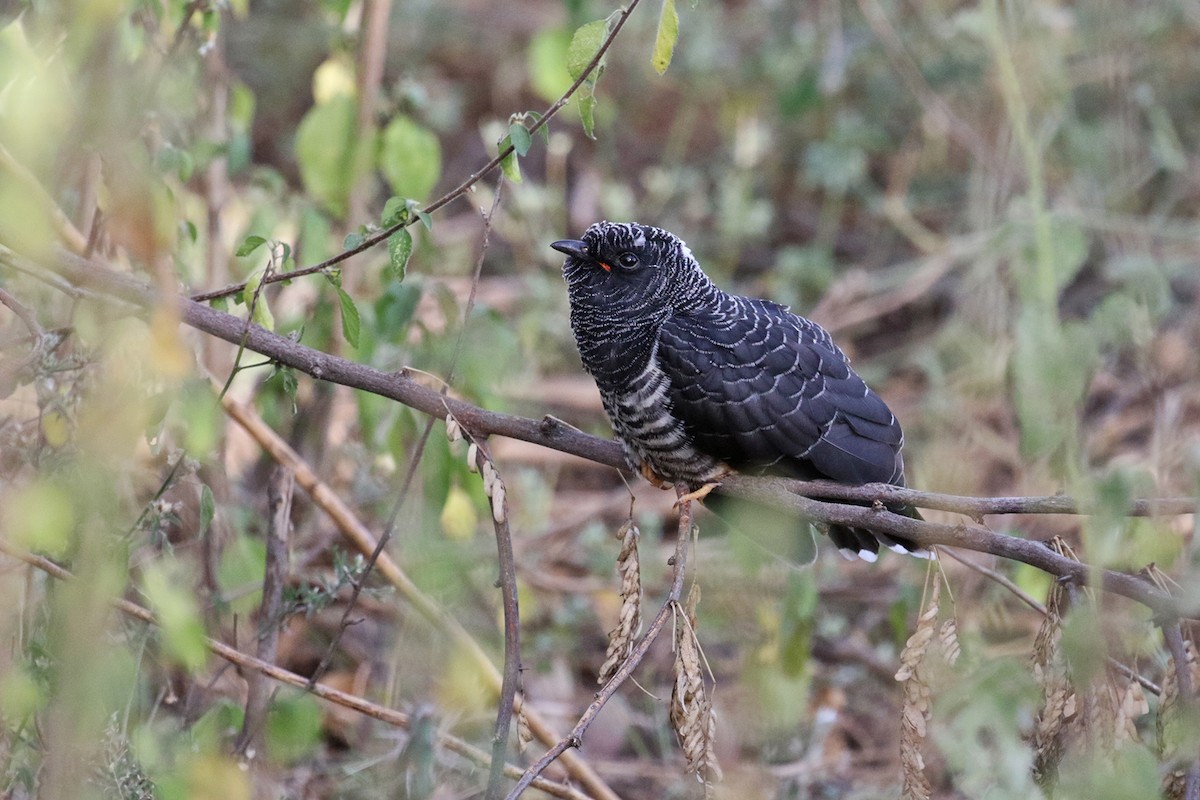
[699, 494]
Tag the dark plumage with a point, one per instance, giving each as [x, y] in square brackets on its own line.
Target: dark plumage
[698, 382]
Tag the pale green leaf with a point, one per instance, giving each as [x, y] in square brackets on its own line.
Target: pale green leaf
[664, 40]
[547, 64]
[410, 158]
[177, 612]
[518, 134]
[208, 509]
[587, 109]
[583, 47]
[351, 324]
[256, 300]
[326, 151]
[510, 164]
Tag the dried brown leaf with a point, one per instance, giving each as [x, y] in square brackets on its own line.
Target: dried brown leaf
[524, 733]
[915, 713]
[692, 716]
[629, 621]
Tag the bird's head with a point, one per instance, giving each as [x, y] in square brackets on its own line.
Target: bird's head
[641, 271]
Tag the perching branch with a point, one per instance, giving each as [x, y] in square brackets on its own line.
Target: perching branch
[552, 433]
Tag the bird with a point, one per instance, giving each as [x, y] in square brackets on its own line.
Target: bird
[699, 383]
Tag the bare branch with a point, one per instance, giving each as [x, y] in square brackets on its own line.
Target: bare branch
[270, 617]
[512, 621]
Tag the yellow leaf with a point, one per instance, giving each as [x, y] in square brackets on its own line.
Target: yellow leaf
[664, 40]
[56, 428]
[40, 517]
[459, 518]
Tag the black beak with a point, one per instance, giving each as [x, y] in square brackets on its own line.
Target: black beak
[571, 247]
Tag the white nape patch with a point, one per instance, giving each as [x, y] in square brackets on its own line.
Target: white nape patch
[848, 554]
[896, 548]
[868, 556]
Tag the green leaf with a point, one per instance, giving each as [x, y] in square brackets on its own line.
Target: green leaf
[293, 727]
[178, 614]
[426, 220]
[664, 40]
[208, 509]
[351, 323]
[400, 247]
[251, 244]
[584, 44]
[519, 136]
[547, 64]
[353, 239]
[327, 152]
[410, 158]
[587, 108]
[395, 211]
[256, 300]
[287, 376]
[510, 164]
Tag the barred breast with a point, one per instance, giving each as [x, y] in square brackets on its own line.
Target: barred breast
[653, 438]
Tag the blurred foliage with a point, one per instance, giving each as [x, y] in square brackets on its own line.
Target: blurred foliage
[993, 206]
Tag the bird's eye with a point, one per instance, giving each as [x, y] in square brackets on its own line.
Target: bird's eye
[628, 260]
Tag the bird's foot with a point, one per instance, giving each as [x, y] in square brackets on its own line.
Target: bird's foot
[650, 475]
[699, 494]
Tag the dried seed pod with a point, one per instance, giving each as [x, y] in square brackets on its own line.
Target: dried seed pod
[524, 733]
[489, 477]
[948, 637]
[915, 713]
[473, 457]
[629, 621]
[691, 711]
[453, 429]
[499, 510]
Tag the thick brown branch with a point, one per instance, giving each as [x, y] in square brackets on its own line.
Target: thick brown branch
[774, 491]
[977, 507]
[551, 433]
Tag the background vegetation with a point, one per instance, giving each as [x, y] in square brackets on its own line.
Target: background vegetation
[991, 205]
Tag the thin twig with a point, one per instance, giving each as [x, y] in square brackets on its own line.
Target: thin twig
[678, 564]
[1173, 635]
[24, 313]
[351, 701]
[389, 527]
[456, 192]
[270, 619]
[512, 629]
[1040, 607]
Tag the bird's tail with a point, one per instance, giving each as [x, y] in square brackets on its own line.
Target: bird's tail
[854, 543]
